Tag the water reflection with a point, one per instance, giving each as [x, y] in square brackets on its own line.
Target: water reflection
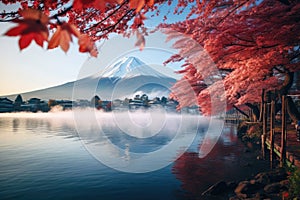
[227, 161]
[111, 139]
[39, 124]
[46, 147]
[16, 124]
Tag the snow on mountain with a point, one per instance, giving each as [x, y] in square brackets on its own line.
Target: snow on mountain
[123, 78]
[129, 67]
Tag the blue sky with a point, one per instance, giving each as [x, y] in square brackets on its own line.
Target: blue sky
[36, 68]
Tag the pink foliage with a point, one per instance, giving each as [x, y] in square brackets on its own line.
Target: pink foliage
[246, 41]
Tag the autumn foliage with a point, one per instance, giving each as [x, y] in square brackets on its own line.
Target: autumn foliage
[254, 45]
[87, 20]
[32, 26]
[234, 51]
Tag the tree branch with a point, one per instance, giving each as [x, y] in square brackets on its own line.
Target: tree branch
[11, 15]
[242, 112]
[108, 16]
[279, 70]
[109, 28]
[61, 13]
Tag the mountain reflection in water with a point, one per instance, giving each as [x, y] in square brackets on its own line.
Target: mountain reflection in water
[42, 157]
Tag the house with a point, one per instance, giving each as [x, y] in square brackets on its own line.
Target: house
[35, 101]
[82, 103]
[6, 105]
[137, 104]
[66, 104]
[18, 102]
[34, 105]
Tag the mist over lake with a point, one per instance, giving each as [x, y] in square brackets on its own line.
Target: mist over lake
[67, 155]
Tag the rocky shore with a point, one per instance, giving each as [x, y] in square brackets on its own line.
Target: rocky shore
[268, 184]
[272, 184]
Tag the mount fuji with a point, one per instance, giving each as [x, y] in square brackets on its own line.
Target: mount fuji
[129, 67]
[124, 78]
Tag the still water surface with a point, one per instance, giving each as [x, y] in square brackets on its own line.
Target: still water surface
[42, 157]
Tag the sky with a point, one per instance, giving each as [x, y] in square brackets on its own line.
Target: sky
[34, 68]
[37, 68]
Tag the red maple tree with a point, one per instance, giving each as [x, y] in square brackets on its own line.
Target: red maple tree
[237, 51]
[88, 20]
[254, 45]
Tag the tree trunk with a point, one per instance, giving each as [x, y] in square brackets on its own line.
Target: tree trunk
[292, 110]
[261, 106]
[291, 107]
[287, 84]
[255, 111]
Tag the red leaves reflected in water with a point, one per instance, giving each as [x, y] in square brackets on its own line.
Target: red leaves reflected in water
[224, 162]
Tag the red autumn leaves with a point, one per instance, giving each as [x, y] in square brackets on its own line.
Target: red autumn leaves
[139, 4]
[101, 4]
[33, 25]
[63, 36]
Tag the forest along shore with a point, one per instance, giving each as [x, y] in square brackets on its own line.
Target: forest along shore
[263, 182]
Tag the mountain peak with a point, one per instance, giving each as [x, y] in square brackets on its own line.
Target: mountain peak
[129, 67]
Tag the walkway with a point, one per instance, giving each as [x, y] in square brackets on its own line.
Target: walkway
[292, 147]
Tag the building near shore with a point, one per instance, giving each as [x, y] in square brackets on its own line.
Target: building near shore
[6, 105]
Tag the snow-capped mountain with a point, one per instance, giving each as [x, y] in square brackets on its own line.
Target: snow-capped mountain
[129, 67]
[123, 78]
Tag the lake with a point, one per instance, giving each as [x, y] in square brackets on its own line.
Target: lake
[90, 155]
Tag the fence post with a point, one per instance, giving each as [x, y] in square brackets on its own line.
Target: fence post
[283, 132]
[264, 135]
[272, 133]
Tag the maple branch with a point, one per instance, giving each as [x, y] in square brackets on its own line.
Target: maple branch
[241, 45]
[111, 27]
[226, 70]
[9, 14]
[61, 13]
[296, 55]
[230, 12]
[268, 46]
[242, 112]
[279, 70]
[7, 20]
[108, 16]
[242, 39]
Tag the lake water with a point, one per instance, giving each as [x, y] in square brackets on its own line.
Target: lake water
[53, 156]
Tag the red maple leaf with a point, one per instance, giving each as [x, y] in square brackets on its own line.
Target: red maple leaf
[33, 26]
[87, 45]
[139, 4]
[140, 42]
[63, 36]
[98, 4]
[136, 4]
